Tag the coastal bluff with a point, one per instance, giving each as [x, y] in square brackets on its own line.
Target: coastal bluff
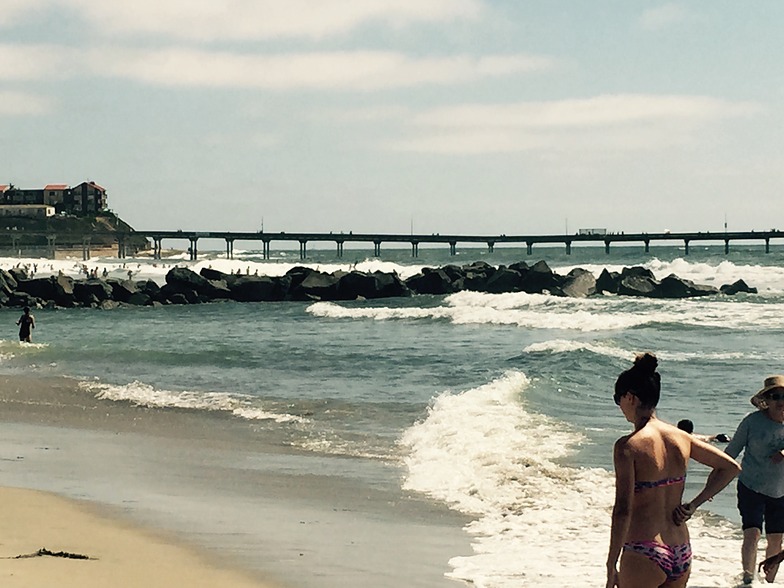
[184, 286]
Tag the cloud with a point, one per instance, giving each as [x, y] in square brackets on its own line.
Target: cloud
[339, 71]
[12, 10]
[186, 67]
[661, 17]
[602, 110]
[36, 62]
[22, 103]
[611, 122]
[208, 20]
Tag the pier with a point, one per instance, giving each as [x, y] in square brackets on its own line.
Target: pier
[452, 241]
[265, 239]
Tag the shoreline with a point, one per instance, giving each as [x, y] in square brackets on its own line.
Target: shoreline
[223, 487]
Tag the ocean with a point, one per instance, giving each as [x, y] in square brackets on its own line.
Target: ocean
[489, 415]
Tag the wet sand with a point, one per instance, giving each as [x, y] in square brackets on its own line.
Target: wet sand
[219, 490]
[50, 541]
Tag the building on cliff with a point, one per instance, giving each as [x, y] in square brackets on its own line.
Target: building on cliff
[85, 199]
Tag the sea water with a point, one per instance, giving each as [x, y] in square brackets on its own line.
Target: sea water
[497, 405]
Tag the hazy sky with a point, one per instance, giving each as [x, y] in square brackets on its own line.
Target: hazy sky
[454, 116]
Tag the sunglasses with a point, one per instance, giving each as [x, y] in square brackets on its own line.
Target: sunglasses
[775, 396]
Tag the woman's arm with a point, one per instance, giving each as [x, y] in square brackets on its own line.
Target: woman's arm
[738, 441]
[621, 513]
[724, 471]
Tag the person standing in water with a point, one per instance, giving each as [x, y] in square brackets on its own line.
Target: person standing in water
[26, 324]
[648, 533]
[760, 436]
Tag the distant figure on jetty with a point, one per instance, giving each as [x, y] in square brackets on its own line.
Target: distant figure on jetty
[26, 324]
[688, 426]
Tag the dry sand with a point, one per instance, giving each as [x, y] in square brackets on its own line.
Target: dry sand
[120, 555]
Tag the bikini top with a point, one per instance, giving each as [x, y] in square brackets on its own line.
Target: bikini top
[657, 483]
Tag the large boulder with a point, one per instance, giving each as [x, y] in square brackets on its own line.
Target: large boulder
[579, 283]
[637, 285]
[674, 287]
[8, 282]
[355, 284]
[737, 287]
[475, 276]
[122, 289]
[42, 288]
[540, 278]
[504, 280]
[140, 299]
[183, 279]
[430, 281]
[58, 289]
[608, 282]
[316, 285]
[92, 291]
[63, 290]
[256, 289]
[637, 271]
[176, 293]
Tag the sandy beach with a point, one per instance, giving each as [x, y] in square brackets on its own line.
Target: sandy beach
[177, 498]
[50, 541]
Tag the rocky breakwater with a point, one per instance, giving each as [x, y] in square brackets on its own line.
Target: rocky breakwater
[183, 286]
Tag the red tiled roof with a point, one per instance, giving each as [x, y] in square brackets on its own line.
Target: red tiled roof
[56, 187]
[3, 187]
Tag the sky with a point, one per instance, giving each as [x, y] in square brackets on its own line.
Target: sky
[434, 116]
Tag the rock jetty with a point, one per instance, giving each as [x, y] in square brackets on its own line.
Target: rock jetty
[184, 286]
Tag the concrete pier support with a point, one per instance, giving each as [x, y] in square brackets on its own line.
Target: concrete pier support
[490, 246]
[377, 248]
[303, 248]
[529, 247]
[229, 248]
[686, 246]
[568, 248]
[452, 248]
[265, 249]
[193, 249]
[726, 246]
[414, 248]
[767, 245]
[607, 247]
[340, 248]
[647, 246]
[85, 248]
[120, 248]
[156, 248]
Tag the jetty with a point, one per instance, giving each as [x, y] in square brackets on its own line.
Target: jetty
[157, 237]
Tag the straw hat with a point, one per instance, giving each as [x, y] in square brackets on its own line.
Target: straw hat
[771, 383]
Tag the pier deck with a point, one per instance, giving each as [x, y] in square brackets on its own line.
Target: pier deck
[415, 240]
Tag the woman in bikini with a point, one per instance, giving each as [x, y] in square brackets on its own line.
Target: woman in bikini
[648, 531]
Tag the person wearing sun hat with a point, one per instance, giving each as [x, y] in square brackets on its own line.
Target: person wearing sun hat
[760, 436]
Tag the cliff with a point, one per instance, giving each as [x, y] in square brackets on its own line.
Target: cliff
[69, 232]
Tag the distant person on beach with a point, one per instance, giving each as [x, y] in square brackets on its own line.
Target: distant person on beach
[760, 435]
[648, 531]
[688, 426]
[26, 324]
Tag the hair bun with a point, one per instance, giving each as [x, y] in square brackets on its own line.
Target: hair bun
[646, 363]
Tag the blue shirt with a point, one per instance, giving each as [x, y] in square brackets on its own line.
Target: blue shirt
[759, 437]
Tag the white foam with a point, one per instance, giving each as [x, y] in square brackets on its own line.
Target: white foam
[536, 522]
[569, 346]
[140, 394]
[604, 313]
